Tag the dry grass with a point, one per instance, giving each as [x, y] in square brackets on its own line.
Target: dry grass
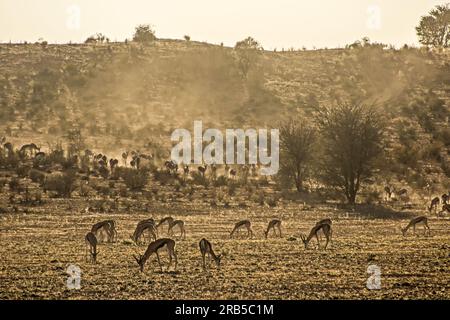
[37, 247]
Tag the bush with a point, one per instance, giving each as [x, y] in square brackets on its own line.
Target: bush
[221, 181]
[14, 185]
[61, 183]
[199, 179]
[37, 176]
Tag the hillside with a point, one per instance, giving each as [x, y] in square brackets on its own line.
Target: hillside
[123, 95]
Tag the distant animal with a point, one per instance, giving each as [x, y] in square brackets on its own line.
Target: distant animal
[143, 226]
[202, 169]
[402, 192]
[445, 208]
[186, 169]
[232, 173]
[102, 227]
[167, 220]
[206, 248]
[171, 166]
[414, 222]
[325, 227]
[445, 198]
[243, 224]
[154, 247]
[388, 192]
[91, 246]
[275, 223]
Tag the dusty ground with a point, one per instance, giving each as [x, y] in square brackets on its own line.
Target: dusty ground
[38, 246]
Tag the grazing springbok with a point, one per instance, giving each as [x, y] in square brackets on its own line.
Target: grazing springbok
[232, 173]
[91, 246]
[206, 248]
[186, 170]
[243, 224]
[275, 223]
[202, 169]
[144, 225]
[434, 203]
[414, 222]
[107, 226]
[167, 220]
[153, 247]
[180, 224]
[325, 227]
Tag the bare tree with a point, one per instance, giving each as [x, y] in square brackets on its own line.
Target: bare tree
[351, 141]
[434, 29]
[297, 141]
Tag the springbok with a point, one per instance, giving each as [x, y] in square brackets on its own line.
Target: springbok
[388, 192]
[242, 224]
[445, 198]
[202, 169]
[325, 227]
[167, 220]
[434, 203]
[414, 222]
[153, 247]
[206, 248]
[107, 226]
[144, 225]
[180, 224]
[275, 223]
[91, 246]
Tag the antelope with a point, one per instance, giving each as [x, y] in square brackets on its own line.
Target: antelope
[107, 226]
[91, 245]
[112, 228]
[402, 192]
[325, 221]
[434, 203]
[325, 227]
[171, 166]
[143, 226]
[179, 223]
[232, 173]
[414, 222]
[388, 191]
[206, 248]
[241, 224]
[275, 223]
[186, 170]
[202, 169]
[153, 247]
[169, 220]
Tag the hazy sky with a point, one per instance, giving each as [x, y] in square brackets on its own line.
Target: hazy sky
[275, 23]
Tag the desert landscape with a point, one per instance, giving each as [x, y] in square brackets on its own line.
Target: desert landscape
[85, 132]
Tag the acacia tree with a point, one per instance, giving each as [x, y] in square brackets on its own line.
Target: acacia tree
[434, 29]
[351, 140]
[247, 52]
[297, 141]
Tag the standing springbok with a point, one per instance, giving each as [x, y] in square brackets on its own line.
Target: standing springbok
[414, 222]
[180, 224]
[275, 223]
[91, 246]
[202, 170]
[153, 248]
[206, 248]
[325, 227]
[243, 224]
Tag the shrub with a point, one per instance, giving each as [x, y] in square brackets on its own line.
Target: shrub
[144, 34]
[221, 181]
[14, 185]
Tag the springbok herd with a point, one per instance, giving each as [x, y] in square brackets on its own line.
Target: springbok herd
[106, 230]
